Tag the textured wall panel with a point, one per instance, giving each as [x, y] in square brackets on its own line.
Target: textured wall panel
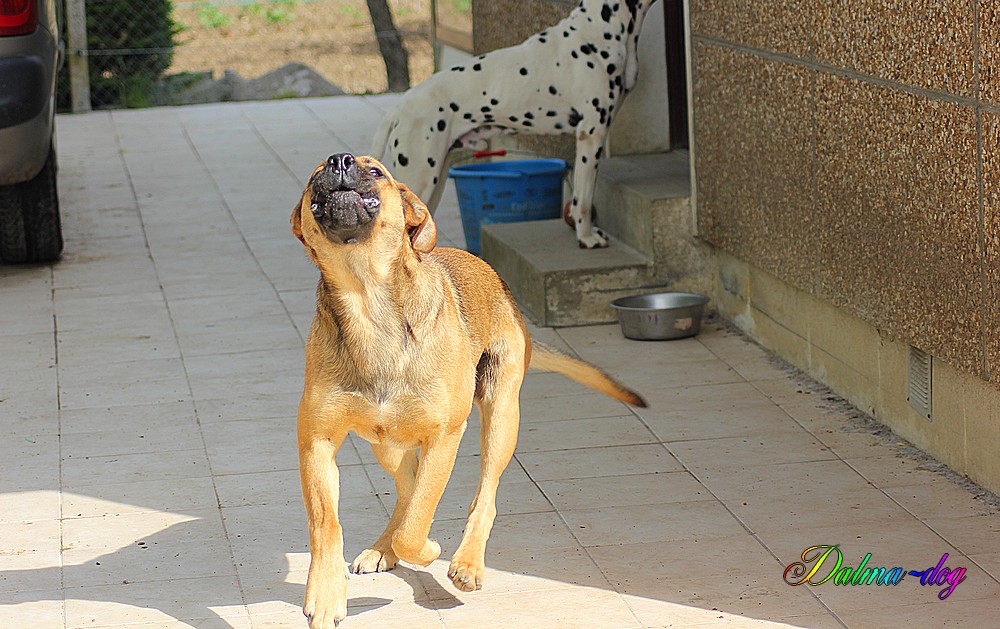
[783, 26]
[924, 43]
[991, 253]
[898, 197]
[755, 159]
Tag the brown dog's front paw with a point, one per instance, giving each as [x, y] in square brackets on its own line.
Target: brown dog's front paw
[427, 552]
[466, 576]
[372, 560]
[326, 600]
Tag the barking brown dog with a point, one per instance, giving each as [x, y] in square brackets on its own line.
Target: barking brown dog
[406, 338]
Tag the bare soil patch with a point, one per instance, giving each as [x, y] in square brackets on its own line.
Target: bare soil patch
[334, 37]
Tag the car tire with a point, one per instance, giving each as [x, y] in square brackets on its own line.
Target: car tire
[30, 230]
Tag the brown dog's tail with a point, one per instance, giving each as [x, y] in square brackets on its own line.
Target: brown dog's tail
[547, 358]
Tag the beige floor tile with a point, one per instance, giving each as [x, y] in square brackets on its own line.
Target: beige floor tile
[652, 523]
[849, 440]
[885, 468]
[251, 373]
[284, 487]
[903, 541]
[257, 405]
[30, 505]
[512, 498]
[784, 479]
[148, 432]
[609, 337]
[466, 472]
[29, 571]
[172, 495]
[253, 445]
[130, 468]
[403, 584]
[938, 494]
[86, 308]
[561, 405]
[263, 536]
[30, 419]
[30, 462]
[532, 569]
[542, 385]
[989, 563]
[657, 614]
[574, 608]
[756, 416]
[606, 461]
[128, 419]
[629, 566]
[973, 534]
[41, 610]
[582, 433]
[361, 612]
[119, 605]
[512, 534]
[969, 615]
[252, 334]
[126, 343]
[30, 536]
[140, 547]
[113, 384]
[738, 453]
[753, 596]
[620, 491]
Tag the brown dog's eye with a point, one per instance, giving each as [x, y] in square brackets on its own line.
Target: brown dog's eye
[376, 173]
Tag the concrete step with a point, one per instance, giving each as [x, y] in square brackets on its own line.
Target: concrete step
[644, 203]
[555, 281]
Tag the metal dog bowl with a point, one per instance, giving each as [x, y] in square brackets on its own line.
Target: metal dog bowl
[660, 316]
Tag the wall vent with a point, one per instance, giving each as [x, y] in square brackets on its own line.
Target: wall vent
[918, 382]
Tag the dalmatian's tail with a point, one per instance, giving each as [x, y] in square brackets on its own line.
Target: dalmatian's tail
[547, 358]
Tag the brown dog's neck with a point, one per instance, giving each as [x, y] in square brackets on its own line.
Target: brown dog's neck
[390, 309]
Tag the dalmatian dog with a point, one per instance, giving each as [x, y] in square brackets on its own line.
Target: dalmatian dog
[568, 79]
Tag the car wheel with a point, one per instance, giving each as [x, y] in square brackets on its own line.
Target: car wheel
[30, 230]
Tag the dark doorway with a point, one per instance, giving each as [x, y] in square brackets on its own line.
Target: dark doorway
[676, 73]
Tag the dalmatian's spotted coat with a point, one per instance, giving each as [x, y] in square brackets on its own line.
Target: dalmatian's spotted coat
[568, 79]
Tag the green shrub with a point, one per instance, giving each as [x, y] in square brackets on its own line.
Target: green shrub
[131, 44]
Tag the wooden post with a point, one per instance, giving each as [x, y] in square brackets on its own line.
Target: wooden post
[76, 49]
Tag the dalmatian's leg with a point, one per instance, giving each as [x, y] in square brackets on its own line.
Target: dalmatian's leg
[589, 146]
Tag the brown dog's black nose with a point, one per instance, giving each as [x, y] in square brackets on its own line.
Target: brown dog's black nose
[340, 173]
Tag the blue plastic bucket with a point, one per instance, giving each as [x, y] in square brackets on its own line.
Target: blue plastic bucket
[507, 192]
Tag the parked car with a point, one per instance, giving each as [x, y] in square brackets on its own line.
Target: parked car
[31, 53]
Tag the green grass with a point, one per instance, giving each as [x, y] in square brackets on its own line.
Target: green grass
[210, 16]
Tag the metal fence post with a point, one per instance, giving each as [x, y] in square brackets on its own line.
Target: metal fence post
[79, 70]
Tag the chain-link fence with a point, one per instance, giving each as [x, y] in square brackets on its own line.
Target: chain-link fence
[152, 52]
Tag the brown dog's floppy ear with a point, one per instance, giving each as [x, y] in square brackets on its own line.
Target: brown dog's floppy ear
[419, 224]
[296, 221]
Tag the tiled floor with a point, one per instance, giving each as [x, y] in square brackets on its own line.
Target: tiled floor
[148, 387]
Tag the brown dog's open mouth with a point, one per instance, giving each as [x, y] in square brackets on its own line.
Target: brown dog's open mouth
[345, 208]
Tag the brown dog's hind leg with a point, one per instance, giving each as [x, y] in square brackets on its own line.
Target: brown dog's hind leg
[402, 466]
[500, 416]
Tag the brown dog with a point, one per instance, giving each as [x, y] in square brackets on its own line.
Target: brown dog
[406, 338]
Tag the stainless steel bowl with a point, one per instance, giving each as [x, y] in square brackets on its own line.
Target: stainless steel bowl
[660, 316]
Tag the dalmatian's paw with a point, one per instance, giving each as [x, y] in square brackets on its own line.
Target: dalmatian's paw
[596, 240]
